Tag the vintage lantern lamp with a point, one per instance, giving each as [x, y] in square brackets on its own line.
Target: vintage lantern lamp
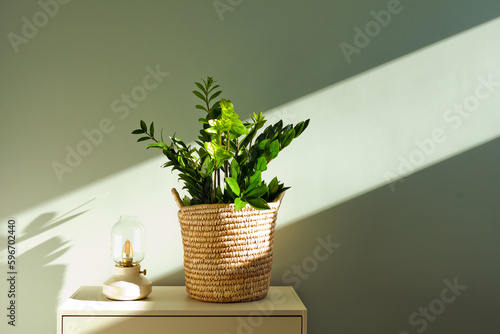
[127, 250]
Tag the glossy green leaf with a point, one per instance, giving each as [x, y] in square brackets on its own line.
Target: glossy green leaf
[274, 149]
[277, 127]
[210, 148]
[154, 145]
[208, 166]
[255, 179]
[143, 139]
[234, 185]
[258, 203]
[137, 132]
[239, 203]
[262, 145]
[143, 126]
[300, 127]
[287, 138]
[273, 186]
[256, 192]
[222, 154]
[235, 169]
[261, 164]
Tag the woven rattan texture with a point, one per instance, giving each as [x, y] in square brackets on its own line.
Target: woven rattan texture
[228, 254]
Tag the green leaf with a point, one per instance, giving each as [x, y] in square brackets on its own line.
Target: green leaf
[195, 92]
[153, 145]
[152, 129]
[287, 138]
[258, 203]
[277, 126]
[212, 88]
[234, 185]
[138, 131]
[239, 203]
[300, 127]
[186, 201]
[143, 139]
[143, 126]
[222, 154]
[274, 149]
[200, 86]
[238, 128]
[168, 164]
[214, 108]
[214, 95]
[208, 166]
[255, 179]
[263, 144]
[256, 192]
[210, 148]
[273, 186]
[201, 107]
[211, 130]
[159, 144]
[261, 164]
[226, 106]
[235, 169]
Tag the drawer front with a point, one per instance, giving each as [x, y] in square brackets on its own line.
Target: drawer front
[181, 325]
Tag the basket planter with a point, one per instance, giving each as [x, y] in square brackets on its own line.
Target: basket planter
[228, 254]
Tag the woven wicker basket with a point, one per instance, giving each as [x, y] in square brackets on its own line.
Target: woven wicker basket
[228, 254]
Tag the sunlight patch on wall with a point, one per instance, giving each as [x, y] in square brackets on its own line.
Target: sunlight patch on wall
[385, 124]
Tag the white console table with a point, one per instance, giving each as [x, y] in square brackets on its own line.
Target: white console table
[169, 309]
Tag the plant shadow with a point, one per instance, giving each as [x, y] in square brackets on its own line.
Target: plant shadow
[38, 280]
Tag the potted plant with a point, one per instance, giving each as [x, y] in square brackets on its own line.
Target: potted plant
[229, 215]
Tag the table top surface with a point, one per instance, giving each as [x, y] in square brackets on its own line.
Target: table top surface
[174, 300]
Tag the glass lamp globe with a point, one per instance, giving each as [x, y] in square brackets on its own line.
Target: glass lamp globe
[128, 241]
[127, 251]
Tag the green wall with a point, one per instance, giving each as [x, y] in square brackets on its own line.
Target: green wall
[396, 91]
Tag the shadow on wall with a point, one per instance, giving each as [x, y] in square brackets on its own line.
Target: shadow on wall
[42, 281]
[421, 258]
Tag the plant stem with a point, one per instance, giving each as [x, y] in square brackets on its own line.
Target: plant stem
[226, 163]
[215, 180]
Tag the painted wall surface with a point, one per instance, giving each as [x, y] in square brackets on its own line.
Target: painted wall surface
[392, 221]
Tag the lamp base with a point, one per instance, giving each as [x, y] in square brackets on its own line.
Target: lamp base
[127, 283]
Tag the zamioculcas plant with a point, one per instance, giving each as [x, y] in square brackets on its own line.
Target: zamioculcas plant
[227, 162]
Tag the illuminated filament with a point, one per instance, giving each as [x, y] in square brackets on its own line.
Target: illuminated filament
[128, 254]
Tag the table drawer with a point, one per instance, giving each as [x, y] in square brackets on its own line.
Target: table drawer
[181, 325]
